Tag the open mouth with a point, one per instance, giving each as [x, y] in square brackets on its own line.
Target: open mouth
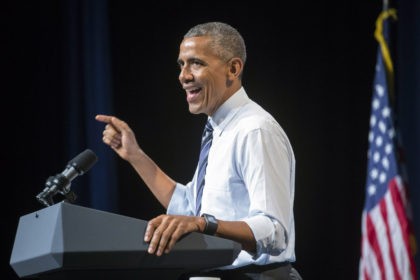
[193, 94]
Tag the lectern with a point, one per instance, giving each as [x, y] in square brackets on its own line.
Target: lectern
[68, 241]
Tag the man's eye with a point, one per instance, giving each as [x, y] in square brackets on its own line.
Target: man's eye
[197, 62]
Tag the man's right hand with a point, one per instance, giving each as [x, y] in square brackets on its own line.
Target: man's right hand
[119, 136]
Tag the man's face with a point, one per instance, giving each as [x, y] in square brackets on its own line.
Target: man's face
[203, 75]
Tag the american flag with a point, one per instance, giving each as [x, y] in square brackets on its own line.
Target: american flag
[386, 225]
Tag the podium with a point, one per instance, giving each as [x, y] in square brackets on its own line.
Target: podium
[66, 241]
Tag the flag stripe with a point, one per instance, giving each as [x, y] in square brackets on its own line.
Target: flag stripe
[374, 244]
[397, 193]
[384, 212]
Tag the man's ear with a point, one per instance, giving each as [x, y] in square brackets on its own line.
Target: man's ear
[235, 67]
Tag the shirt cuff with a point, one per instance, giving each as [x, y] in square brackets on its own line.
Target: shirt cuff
[269, 234]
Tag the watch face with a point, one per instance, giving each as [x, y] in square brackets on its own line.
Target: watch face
[211, 224]
[212, 218]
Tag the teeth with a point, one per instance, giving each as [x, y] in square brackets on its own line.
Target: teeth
[193, 91]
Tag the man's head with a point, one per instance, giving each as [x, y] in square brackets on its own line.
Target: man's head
[211, 59]
[225, 39]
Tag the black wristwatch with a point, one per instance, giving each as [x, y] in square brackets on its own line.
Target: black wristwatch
[211, 224]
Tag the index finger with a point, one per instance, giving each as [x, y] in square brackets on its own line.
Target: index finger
[149, 231]
[103, 118]
[115, 122]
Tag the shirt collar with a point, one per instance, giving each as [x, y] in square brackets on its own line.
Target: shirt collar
[228, 110]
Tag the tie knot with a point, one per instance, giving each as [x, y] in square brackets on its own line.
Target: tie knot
[208, 127]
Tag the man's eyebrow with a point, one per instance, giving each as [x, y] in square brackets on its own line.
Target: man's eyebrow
[189, 60]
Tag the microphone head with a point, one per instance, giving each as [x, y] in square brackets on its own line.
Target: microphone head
[83, 161]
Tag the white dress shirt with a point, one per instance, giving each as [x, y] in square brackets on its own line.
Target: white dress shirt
[250, 177]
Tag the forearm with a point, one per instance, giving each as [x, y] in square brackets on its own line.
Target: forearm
[238, 231]
[159, 183]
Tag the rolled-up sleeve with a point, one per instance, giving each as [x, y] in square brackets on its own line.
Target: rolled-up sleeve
[270, 235]
[179, 203]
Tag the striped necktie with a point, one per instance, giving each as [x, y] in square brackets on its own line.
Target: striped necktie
[202, 163]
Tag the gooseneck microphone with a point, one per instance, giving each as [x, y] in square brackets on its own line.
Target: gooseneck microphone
[61, 182]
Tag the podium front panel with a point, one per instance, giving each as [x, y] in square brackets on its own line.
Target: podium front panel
[66, 237]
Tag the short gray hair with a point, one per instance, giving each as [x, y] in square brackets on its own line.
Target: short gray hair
[226, 40]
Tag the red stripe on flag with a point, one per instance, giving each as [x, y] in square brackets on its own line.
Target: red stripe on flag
[402, 218]
[374, 243]
[366, 275]
[391, 252]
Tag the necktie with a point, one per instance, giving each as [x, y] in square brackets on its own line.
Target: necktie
[202, 163]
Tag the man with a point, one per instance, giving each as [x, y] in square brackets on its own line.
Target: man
[247, 192]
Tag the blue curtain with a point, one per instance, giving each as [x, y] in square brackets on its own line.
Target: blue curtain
[88, 91]
[408, 90]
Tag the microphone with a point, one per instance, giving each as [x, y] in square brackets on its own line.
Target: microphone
[61, 182]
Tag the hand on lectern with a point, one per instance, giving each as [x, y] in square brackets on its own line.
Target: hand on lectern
[164, 231]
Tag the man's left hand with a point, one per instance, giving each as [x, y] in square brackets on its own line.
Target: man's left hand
[164, 231]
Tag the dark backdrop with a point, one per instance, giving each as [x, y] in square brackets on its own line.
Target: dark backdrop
[310, 64]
